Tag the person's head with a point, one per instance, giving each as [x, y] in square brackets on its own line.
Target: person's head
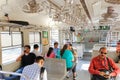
[103, 52]
[27, 49]
[79, 34]
[36, 46]
[55, 44]
[119, 41]
[70, 46]
[49, 51]
[66, 46]
[40, 60]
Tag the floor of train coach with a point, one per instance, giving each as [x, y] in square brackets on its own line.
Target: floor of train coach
[82, 68]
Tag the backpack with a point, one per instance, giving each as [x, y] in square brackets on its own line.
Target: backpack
[42, 72]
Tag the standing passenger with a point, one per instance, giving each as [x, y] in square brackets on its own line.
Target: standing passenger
[50, 53]
[68, 56]
[79, 37]
[75, 59]
[74, 53]
[33, 72]
[56, 50]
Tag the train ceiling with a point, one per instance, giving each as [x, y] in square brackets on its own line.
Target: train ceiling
[78, 13]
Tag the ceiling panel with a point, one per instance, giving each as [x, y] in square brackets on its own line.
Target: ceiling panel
[96, 8]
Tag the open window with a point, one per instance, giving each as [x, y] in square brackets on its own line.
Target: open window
[35, 38]
[11, 44]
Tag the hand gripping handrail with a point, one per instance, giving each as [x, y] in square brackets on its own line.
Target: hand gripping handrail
[14, 73]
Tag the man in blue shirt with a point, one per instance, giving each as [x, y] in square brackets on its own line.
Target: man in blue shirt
[56, 50]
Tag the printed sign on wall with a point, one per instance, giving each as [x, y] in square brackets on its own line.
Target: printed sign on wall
[45, 38]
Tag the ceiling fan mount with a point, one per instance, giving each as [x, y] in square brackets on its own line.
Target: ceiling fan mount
[32, 7]
[110, 13]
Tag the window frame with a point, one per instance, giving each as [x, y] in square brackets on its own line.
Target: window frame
[11, 47]
[39, 43]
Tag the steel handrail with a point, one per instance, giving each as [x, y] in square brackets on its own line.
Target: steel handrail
[14, 73]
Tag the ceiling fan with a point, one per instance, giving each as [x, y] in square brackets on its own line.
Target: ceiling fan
[109, 16]
[110, 13]
[32, 7]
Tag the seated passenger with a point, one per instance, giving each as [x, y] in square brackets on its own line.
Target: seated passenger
[68, 56]
[26, 59]
[118, 51]
[2, 76]
[56, 50]
[33, 72]
[91, 40]
[50, 53]
[35, 51]
[102, 67]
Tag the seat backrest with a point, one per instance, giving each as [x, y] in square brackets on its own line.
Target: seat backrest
[111, 55]
[55, 66]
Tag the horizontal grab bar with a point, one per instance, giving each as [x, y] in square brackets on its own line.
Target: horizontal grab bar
[14, 73]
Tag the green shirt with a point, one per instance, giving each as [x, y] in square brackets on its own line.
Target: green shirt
[68, 56]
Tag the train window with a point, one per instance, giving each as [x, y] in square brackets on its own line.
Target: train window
[112, 38]
[35, 38]
[54, 36]
[2, 2]
[11, 44]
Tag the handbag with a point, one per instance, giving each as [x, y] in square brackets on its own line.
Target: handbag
[99, 77]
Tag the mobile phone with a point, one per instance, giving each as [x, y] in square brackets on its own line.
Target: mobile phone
[106, 74]
[24, 50]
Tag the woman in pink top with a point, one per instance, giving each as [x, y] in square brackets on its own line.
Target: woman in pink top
[50, 53]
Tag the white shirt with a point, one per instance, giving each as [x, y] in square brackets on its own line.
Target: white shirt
[32, 72]
[36, 52]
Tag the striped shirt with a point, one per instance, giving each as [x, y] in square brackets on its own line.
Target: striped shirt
[32, 72]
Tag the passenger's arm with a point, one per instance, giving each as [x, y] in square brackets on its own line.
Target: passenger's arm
[91, 68]
[75, 54]
[72, 56]
[116, 69]
[19, 57]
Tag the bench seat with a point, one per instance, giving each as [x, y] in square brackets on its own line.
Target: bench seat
[55, 77]
[56, 68]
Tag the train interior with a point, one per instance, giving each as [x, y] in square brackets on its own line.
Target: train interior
[87, 24]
